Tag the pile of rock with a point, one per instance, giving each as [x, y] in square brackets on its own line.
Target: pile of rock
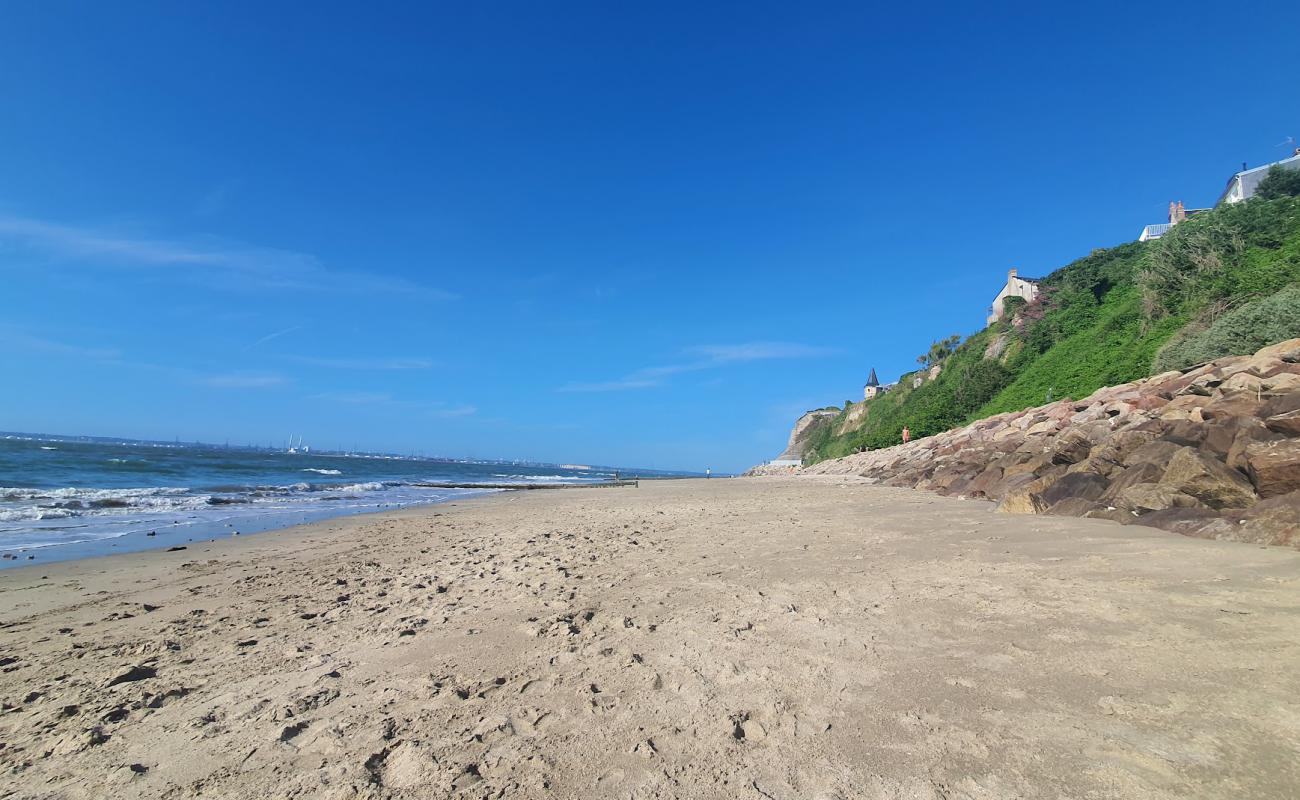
[1212, 451]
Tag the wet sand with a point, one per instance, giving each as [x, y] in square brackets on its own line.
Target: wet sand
[772, 637]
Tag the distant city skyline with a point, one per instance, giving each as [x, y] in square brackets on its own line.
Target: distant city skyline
[647, 236]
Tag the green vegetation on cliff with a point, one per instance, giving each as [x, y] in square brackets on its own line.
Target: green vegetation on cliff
[1223, 282]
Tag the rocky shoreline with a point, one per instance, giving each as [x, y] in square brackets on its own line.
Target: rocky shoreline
[1212, 451]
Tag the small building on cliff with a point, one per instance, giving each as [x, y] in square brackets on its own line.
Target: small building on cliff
[873, 387]
[1177, 213]
[1016, 286]
[1241, 187]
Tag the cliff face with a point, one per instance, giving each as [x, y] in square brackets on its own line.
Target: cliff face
[803, 430]
[1213, 451]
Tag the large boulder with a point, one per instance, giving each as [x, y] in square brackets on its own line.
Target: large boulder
[1274, 467]
[1222, 433]
[1273, 521]
[1071, 447]
[1288, 350]
[985, 481]
[1022, 501]
[1147, 497]
[1075, 507]
[1234, 403]
[1248, 433]
[1208, 480]
[1287, 424]
[1132, 476]
[1158, 452]
[1280, 404]
[1082, 485]
[1188, 522]
[1186, 433]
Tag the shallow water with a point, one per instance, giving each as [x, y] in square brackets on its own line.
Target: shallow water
[71, 498]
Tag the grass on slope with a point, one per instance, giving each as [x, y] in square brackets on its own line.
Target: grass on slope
[1102, 320]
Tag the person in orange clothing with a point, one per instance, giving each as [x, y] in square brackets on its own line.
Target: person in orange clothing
[907, 435]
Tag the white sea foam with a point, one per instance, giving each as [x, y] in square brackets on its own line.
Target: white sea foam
[360, 487]
[324, 471]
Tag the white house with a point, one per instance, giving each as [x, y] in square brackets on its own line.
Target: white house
[1242, 186]
[1016, 287]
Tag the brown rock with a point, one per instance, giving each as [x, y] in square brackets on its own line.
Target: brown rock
[1022, 501]
[1082, 485]
[1287, 424]
[1283, 382]
[1150, 402]
[1232, 404]
[1075, 507]
[1202, 522]
[1120, 515]
[1274, 467]
[1147, 497]
[1281, 404]
[1268, 367]
[1242, 381]
[1115, 449]
[1034, 464]
[1094, 465]
[1273, 521]
[1288, 350]
[1158, 452]
[1247, 435]
[1122, 479]
[991, 476]
[1207, 479]
[1220, 434]
[1071, 447]
[1186, 433]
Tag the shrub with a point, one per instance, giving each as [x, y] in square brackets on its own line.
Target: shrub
[1238, 332]
[1279, 183]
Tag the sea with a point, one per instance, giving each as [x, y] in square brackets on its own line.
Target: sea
[74, 497]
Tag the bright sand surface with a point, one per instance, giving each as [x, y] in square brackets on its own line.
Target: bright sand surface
[766, 638]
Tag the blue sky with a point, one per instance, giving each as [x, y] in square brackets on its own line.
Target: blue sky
[579, 231]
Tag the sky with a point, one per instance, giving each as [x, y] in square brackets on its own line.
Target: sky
[631, 234]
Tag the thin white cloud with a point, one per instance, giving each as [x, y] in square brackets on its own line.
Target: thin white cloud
[758, 351]
[704, 357]
[611, 386]
[435, 408]
[14, 340]
[378, 363]
[272, 336]
[242, 381]
[231, 265]
[454, 411]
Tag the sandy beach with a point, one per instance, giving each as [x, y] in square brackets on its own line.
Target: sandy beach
[809, 637]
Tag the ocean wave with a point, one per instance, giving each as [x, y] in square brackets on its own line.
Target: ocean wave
[324, 471]
[371, 486]
[78, 493]
[33, 514]
[540, 477]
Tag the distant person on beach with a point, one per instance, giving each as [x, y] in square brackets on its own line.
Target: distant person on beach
[907, 435]
[708, 472]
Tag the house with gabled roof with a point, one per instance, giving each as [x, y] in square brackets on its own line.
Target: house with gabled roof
[1242, 186]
